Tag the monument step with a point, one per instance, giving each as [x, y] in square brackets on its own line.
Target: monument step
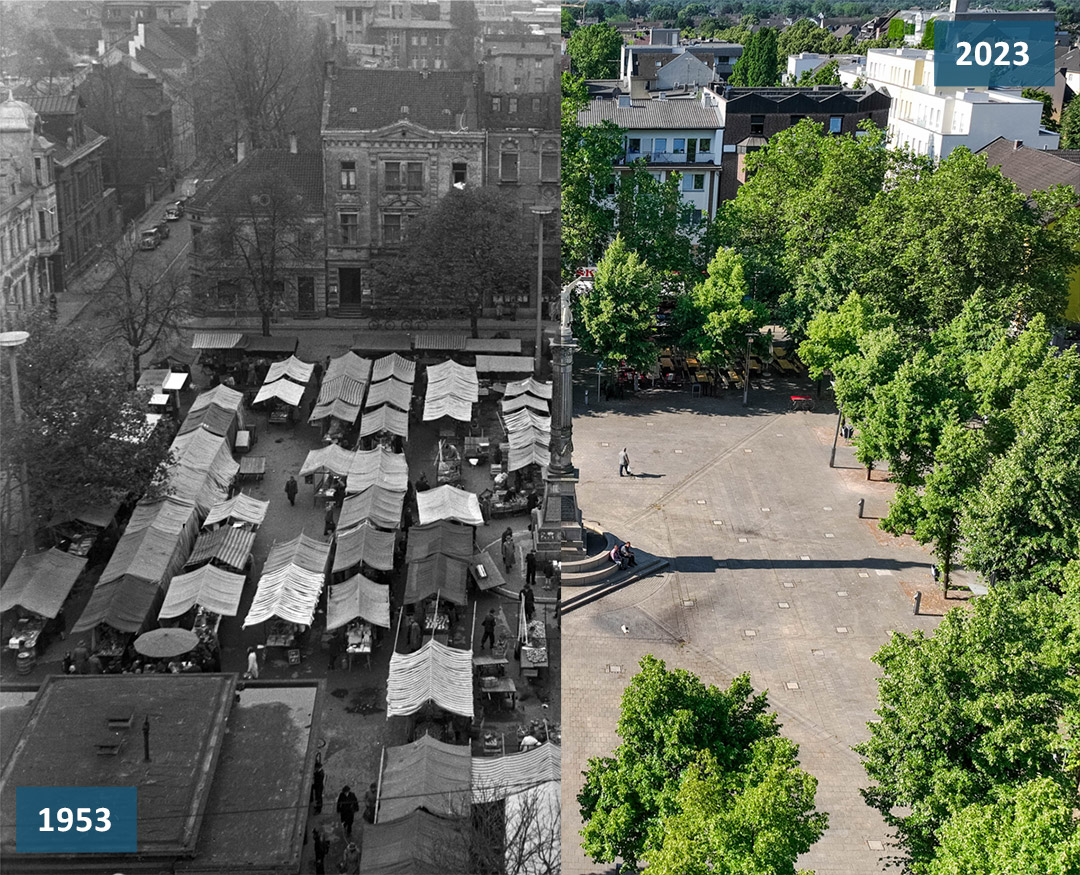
[624, 579]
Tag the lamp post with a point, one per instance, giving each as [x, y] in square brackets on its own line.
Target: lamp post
[15, 339]
[539, 212]
[750, 335]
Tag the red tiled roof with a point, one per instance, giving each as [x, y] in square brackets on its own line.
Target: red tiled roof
[1031, 169]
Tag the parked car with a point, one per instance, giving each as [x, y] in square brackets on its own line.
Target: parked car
[163, 230]
[150, 239]
[174, 211]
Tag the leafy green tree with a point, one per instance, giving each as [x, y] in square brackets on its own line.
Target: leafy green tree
[695, 759]
[832, 336]
[805, 36]
[977, 707]
[653, 218]
[588, 156]
[1070, 125]
[897, 29]
[595, 50]
[759, 63]
[619, 314]
[715, 318]
[568, 22]
[1048, 106]
[663, 12]
[827, 74]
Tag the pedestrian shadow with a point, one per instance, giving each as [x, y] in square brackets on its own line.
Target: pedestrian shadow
[648, 476]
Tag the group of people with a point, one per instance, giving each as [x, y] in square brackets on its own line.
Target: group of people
[346, 808]
[80, 660]
[623, 555]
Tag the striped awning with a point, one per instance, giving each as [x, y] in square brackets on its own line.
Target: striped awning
[229, 546]
[440, 341]
[217, 340]
[435, 673]
[498, 777]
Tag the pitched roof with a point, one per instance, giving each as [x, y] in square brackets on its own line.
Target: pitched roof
[643, 114]
[234, 189]
[1031, 169]
[366, 100]
[53, 104]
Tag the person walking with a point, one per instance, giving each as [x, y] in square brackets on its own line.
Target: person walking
[328, 525]
[253, 664]
[530, 602]
[317, 781]
[350, 861]
[321, 846]
[371, 798]
[530, 568]
[489, 629]
[291, 489]
[347, 806]
[624, 462]
[508, 551]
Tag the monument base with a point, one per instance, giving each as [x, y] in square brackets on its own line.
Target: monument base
[559, 534]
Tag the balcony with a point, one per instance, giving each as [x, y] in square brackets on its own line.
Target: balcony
[45, 248]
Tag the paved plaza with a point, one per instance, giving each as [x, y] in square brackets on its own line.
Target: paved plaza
[771, 572]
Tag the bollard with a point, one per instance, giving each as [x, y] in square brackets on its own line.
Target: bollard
[918, 601]
[586, 397]
[862, 502]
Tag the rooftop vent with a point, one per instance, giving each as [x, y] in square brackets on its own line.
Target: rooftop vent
[118, 724]
[353, 109]
[624, 102]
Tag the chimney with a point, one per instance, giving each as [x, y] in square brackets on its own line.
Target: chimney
[958, 5]
[331, 70]
[292, 143]
[1018, 145]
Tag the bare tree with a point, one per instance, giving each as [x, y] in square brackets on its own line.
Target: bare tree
[140, 306]
[516, 833]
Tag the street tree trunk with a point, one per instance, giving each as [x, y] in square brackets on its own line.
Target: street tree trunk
[265, 322]
[136, 367]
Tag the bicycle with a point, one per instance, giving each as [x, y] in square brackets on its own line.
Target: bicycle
[375, 324]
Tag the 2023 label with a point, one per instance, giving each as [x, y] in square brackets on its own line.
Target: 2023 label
[76, 820]
[994, 53]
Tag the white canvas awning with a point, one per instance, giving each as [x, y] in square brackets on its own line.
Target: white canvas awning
[211, 587]
[364, 543]
[217, 340]
[530, 386]
[349, 365]
[291, 582]
[376, 504]
[330, 459]
[449, 503]
[296, 370]
[504, 364]
[509, 405]
[391, 391]
[385, 418]
[437, 574]
[393, 365]
[378, 467]
[451, 378]
[526, 436]
[221, 395]
[434, 673]
[336, 409]
[455, 408]
[497, 777]
[529, 454]
[240, 507]
[358, 597]
[41, 583]
[526, 418]
[283, 390]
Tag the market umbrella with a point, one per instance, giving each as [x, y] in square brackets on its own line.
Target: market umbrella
[164, 643]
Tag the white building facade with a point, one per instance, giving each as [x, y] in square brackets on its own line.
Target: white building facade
[933, 121]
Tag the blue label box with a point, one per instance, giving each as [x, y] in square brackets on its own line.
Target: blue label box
[76, 820]
[998, 53]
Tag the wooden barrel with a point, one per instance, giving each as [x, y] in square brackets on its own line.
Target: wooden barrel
[25, 662]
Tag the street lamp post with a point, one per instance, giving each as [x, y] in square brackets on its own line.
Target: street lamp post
[539, 212]
[15, 339]
[750, 335]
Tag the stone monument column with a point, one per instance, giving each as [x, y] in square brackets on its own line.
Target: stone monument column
[559, 533]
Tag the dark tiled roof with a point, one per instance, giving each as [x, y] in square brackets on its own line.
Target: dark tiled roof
[435, 100]
[658, 114]
[184, 39]
[235, 189]
[54, 104]
[1031, 169]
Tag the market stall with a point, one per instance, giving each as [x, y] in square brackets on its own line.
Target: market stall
[341, 395]
[378, 467]
[452, 390]
[447, 462]
[438, 574]
[385, 419]
[498, 777]
[33, 596]
[434, 673]
[390, 391]
[418, 842]
[227, 547]
[358, 598]
[240, 508]
[428, 774]
[449, 503]
[377, 505]
[528, 386]
[288, 591]
[214, 589]
[395, 366]
[505, 364]
[444, 536]
[330, 459]
[363, 544]
[203, 469]
[216, 419]
[532, 639]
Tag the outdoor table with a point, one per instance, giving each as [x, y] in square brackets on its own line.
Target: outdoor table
[245, 440]
[253, 467]
[159, 399]
[360, 639]
[492, 687]
[175, 382]
[801, 402]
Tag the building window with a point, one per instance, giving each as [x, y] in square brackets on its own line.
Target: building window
[43, 226]
[460, 171]
[349, 227]
[634, 145]
[836, 122]
[757, 124]
[496, 104]
[536, 104]
[414, 176]
[679, 146]
[437, 40]
[228, 295]
[698, 182]
[305, 243]
[512, 105]
[704, 145]
[391, 229]
[660, 145]
[392, 176]
[37, 170]
[695, 217]
[549, 166]
[795, 119]
[397, 11]
[508, 167]
[348, 175]
[395, 40]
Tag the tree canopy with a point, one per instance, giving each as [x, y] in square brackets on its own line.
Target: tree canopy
[595, 50]
[701, 782]
[759, 63]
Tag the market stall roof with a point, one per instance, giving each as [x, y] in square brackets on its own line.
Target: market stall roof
[509, 405]
[440, 341]
[449, 503]
[153, 379]
[229, 545]
[385, 419]
[156, 542]
[390, 391]
[124, 603]
[296, 370]
[99, 515]
[217, 340]
[340, 396]
[358, 597]
[285, 390]
[240, 507]
[455, 408]
[291, 582]
[220, 395]
[330, 459]
[498, 777]
[437, 574]
[393, 365]
[428, 774]
[364, 543]
[496, 345]
[534, 453]
[204, 469]
[419, 842]
[41, 583]
[335, 409]
[531, 386]
[216, 420]
[255, 343]
[454, 379]
[434, 673]
[526, 418]
[381, 341]
[213, 588]
[444, 536]
[528, 435]
[378, 467]
[171, 515]
[493, 575]
[349, 365]
[376, 504]
[504, 364]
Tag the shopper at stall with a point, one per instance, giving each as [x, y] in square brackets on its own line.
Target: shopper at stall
[530, 568]
[291, 489]
[334, 646]
[317, 781]
[81, 655]
[347, 806]
[530, 602]
[416, 635]
[253, 664]
[489, 629]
